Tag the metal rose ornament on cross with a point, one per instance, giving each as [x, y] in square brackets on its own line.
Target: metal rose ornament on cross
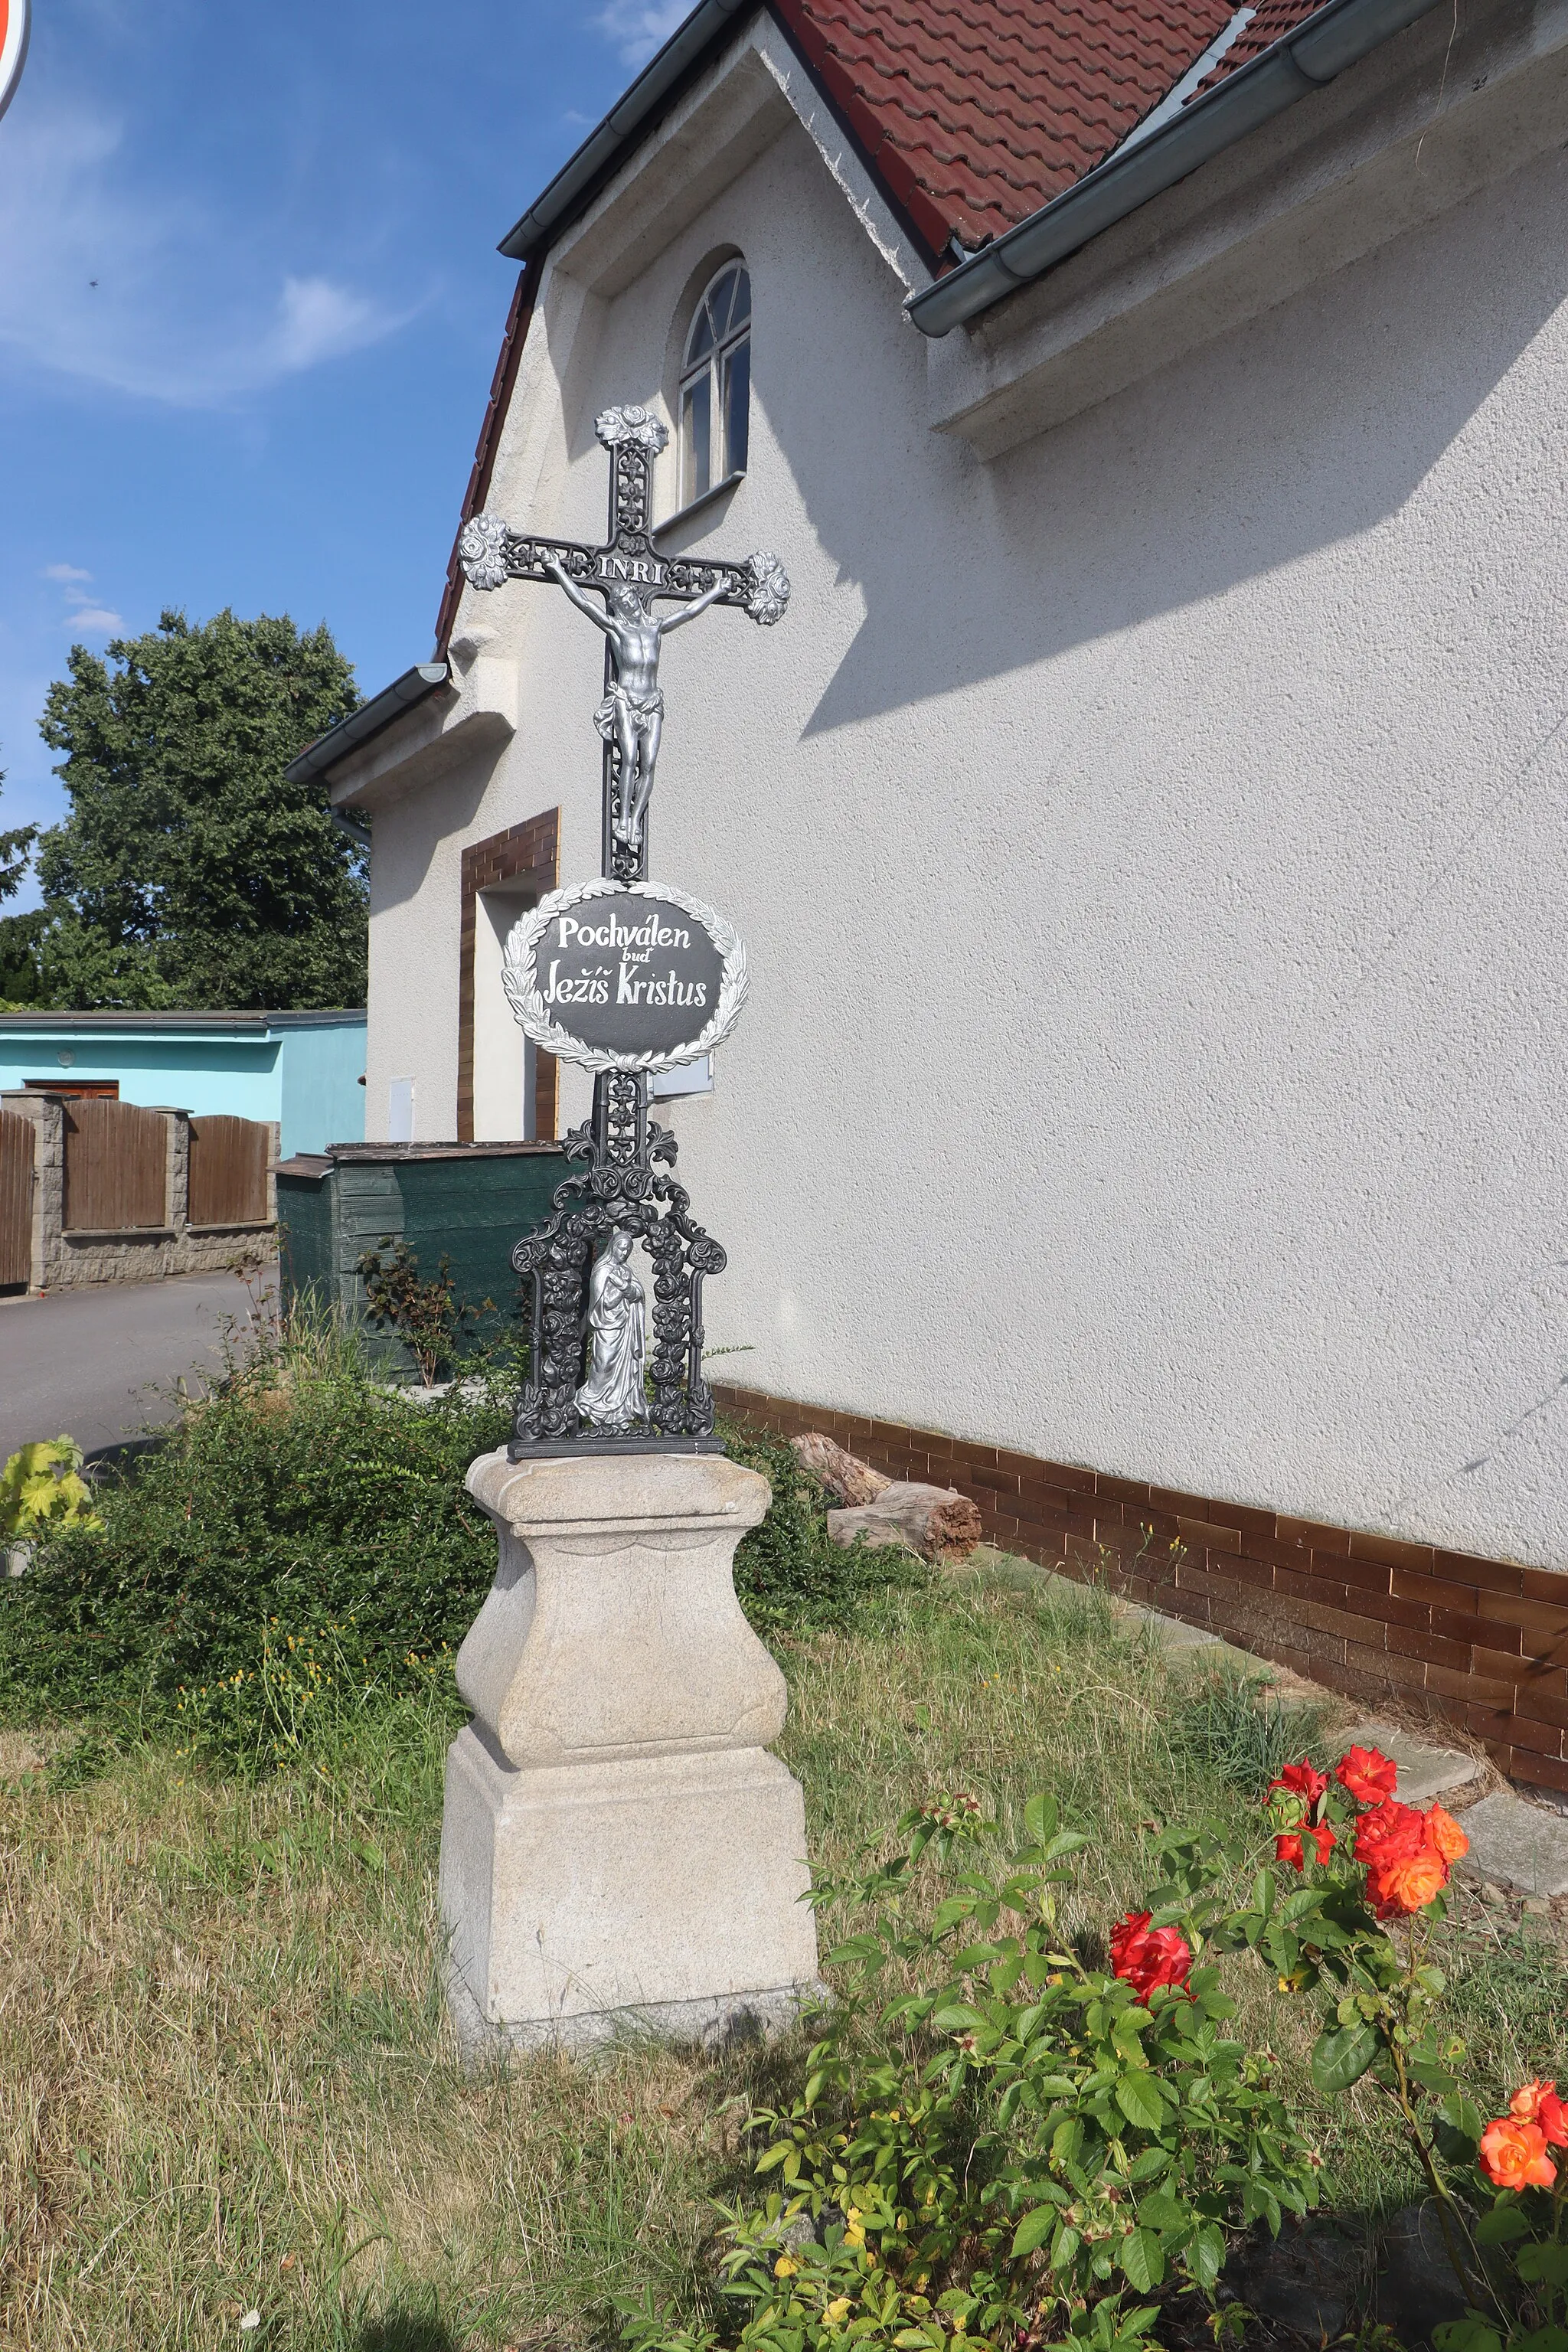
[623, 976]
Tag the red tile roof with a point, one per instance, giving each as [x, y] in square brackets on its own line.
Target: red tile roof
[970, 113]
[1273, 19]
[973, 113]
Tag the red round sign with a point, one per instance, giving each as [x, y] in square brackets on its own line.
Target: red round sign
[14, 18]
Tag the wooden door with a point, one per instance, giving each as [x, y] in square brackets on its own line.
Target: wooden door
[116, 1161]
[17, 1135]
[228, 1170]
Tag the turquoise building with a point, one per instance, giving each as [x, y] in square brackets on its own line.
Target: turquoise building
[303, 1069]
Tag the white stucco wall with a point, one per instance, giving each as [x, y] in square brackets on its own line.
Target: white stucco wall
[1151, 845]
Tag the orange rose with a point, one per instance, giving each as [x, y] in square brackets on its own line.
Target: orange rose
[1406, 1883]
[1514, 2155]
[1407, 1855]
[1444, 1833]
[1538, 2103]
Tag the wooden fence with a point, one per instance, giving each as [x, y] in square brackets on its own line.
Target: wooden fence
[117, 1162]
[16, 1201]
[228, 1170]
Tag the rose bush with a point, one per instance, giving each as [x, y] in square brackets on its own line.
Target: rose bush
[1016, 2148]
[1014, 2144]
[1383, 1865]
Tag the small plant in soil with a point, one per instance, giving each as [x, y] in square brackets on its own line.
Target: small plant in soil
[424, 1310]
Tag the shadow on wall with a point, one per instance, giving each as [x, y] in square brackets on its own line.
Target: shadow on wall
[406, 849]
[1310, 426]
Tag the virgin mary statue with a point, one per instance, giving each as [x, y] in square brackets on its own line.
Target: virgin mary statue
[612, 1397]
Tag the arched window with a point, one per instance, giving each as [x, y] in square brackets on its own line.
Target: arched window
[716, 384]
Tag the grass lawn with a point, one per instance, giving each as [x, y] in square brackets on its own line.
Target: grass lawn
[226, 2082]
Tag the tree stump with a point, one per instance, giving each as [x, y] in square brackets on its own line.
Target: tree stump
[845, 1477]
[938, 1522]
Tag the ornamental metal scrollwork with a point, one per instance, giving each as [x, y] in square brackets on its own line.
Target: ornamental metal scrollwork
[769, 589]
[624, 1190]
[613, 426]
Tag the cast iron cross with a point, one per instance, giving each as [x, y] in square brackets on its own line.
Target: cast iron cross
[628, 573]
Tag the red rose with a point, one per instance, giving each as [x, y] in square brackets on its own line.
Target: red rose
[1368, 1774]
[1290, 1846]
[1303, 1781]
[1388, 1831]
[1145, 1958]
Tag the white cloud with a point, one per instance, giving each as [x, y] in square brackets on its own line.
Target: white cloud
[104, 281]
[638, 27]
[317, 320]
[86, 612]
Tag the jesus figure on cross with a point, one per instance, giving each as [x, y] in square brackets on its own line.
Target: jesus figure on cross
[631, 715]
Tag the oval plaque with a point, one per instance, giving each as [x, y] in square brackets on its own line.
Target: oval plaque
[624, 975]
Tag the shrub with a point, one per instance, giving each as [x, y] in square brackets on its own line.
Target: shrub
[1373, 1879]
[1012, 2144]
[301, 1535]
[42, 1486]
[303, 1543]
[1009, 2147]
[425, 1313]
[789, 1573]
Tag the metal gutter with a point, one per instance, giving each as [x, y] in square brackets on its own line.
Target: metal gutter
[1193, 80]
[603, 146]
[1336, 36]
[349, 734]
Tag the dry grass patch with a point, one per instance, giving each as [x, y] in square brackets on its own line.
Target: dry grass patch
[225, 2084]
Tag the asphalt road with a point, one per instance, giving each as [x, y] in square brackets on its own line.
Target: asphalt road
[91, 1361]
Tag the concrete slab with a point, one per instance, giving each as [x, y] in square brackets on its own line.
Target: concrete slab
[1425, 1770]
[1174, 1634]
[1517, 1844]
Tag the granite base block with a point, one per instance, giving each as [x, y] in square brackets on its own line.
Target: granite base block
[654, 1895]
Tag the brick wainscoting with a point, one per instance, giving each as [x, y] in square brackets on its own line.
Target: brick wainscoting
[1483, 1642]
[525, 857]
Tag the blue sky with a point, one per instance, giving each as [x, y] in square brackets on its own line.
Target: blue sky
[250, 305]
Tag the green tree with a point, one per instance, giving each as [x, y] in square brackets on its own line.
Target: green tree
[19, 934]
[190, 873]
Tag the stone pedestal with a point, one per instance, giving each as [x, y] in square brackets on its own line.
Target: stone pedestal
[619, 1853]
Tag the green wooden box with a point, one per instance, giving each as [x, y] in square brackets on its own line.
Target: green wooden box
[468, 1202]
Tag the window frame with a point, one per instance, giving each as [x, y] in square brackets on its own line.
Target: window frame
[713, 369]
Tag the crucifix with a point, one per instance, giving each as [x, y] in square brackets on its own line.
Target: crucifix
[628, 573]
[627, 1193]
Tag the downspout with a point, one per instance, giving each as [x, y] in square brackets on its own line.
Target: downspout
[1334, 38]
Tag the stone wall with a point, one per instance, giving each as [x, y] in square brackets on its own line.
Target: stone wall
[63, 1259]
